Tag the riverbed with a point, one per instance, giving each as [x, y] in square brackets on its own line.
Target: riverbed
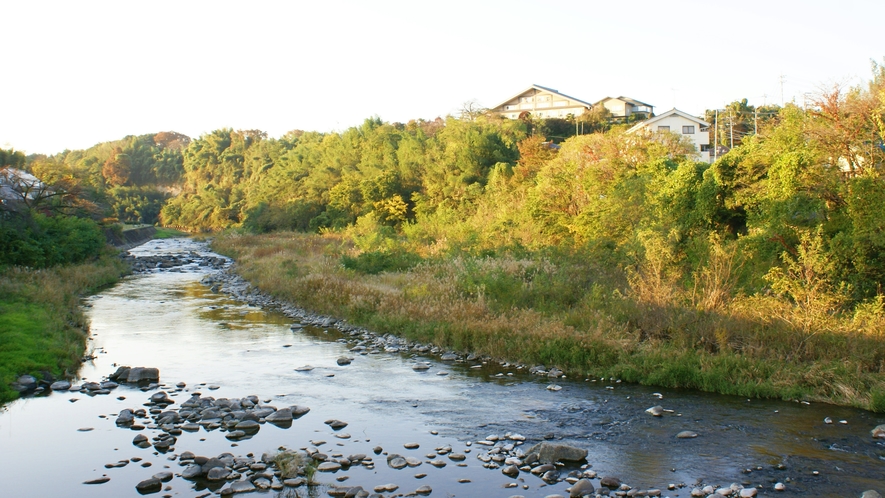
[225, 348]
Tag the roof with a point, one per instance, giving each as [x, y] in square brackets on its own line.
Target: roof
[12, 180]
[627, 100]
[543, 89]
[671, 112]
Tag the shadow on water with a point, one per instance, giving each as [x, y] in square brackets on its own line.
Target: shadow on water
[224, 348]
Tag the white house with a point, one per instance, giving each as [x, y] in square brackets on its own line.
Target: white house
[625, 107]
[680, 123]
[541, 102]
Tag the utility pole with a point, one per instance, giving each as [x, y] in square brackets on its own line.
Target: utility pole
[730, 129]
[782, 78]
[716, 137]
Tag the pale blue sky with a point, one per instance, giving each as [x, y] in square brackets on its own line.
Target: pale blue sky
[79, 73]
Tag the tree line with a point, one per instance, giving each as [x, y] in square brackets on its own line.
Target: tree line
[798, 200]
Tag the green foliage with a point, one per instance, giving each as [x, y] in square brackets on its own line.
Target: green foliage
[375, 262]
[40, 241]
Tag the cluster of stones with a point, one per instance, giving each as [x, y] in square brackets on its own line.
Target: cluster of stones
[238, 474]
[146, 264]
[240, 418]
[28, 383]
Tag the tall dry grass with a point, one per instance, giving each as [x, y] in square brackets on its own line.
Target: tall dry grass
[563, 311]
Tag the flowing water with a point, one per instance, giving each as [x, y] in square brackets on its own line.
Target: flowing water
[50, 445]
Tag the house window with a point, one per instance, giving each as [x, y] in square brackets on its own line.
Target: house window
[525, 99]
[706, 147]
[663, 128]
[688, 130]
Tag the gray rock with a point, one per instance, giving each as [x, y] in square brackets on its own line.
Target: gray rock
[248, 425]
[237, 434]
[329, 467]
[610, 482]
[151, 485]
[60, 385]
[748, 493]
[125, 417]
[871, 493]
[161, 398]
[396, 461]
[424, 490]
[656, 411]
[510, 470]
[120, 375]
[25, 383]
[687, 435]
[552, 452]
[192, 471]
[100, 480]
[139, 374]
[298, 410]
[280, 416]
[218, 473]
[878, 431]
[164, 476]
[356, 492]
[344, 360]
[240, 487]
[335, 424]
[581, 488]
[141, 441]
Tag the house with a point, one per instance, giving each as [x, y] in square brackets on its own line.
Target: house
[541, 102]
[17, 185]
[625, 108]
[681, 123]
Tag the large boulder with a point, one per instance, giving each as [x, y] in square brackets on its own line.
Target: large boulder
[143, 374]
[547, 452]
[878, 431]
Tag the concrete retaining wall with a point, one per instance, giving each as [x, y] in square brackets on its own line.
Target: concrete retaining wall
[130, 238]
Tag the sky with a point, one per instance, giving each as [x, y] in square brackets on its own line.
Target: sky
[79, 73]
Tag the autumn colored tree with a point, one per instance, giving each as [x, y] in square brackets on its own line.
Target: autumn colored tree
[117, 168]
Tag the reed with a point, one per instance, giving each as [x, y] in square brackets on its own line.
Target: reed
[42, 329]
[561, 309]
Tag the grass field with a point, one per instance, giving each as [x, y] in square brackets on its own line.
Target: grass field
[42, 330]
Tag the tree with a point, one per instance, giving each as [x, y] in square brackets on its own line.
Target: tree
[117, 168]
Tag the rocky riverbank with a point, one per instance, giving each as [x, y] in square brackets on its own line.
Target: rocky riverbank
[541, 469]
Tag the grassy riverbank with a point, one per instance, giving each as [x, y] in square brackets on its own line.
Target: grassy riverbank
[571, 311]
[41, 326]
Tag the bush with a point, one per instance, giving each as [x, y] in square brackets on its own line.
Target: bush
[40, 241]
[375, 262]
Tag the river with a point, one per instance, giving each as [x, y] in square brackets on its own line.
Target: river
[51, 444]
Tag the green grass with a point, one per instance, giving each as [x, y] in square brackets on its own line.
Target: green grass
[169, 233]
[42, 330]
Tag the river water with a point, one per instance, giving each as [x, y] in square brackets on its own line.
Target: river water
[50, 445]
